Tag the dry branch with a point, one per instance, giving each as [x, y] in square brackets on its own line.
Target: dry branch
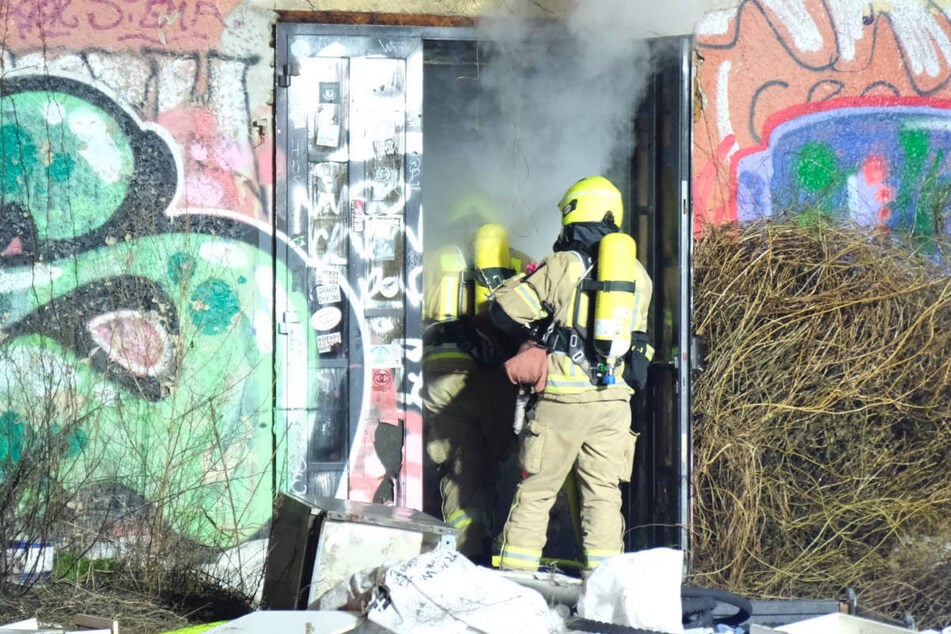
[822, 441]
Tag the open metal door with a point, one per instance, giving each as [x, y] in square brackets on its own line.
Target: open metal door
[658, 503]
[347, 177]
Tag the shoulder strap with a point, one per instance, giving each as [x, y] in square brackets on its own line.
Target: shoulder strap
[584, 286]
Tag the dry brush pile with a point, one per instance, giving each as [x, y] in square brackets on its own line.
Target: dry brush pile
[823, 434]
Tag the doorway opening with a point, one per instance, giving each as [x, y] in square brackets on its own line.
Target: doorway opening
[394, 139]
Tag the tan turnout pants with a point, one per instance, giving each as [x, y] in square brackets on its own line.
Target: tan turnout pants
[468, 433]
[594, 439]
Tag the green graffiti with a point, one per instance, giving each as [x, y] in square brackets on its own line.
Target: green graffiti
[12, 439]
[816, 167]
[14, 150]
[17, 439]
[63, 160]
[180, 268]
[915, 144]
[210, 440]
[200, 446]
[213, 306]
[61, 168]
[76, 440]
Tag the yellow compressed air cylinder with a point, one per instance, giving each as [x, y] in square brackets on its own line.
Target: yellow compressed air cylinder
[614, 304]
[446, 295]
[492, 261]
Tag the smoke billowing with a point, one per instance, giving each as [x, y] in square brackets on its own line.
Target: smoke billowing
[538, 106]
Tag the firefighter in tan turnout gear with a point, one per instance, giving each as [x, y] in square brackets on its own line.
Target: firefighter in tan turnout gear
[584, 310]
[467, 398]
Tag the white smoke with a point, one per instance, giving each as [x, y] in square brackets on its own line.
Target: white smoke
[559, 103]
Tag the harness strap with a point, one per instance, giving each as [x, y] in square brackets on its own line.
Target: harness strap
[444, 332]
[608, 285]
[493, 277]
[569, 342]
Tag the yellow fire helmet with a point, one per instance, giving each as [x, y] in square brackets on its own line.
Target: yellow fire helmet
[589, 200]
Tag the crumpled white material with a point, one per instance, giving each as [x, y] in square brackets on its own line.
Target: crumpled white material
[442, 592]
[639, 589]
[352, 594]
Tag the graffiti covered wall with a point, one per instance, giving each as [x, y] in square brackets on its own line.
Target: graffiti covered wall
[137, 290]
[153, 320]
[829, 108]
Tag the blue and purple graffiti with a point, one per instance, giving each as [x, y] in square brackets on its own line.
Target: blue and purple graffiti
[878, 161]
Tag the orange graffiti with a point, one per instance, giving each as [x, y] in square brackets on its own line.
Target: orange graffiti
[813, 56]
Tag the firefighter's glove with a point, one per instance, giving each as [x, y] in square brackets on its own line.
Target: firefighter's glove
[529, 367]
[638, 360]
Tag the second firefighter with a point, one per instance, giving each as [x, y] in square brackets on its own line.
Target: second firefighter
[467, 399]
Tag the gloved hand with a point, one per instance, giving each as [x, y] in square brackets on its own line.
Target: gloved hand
[529, 366]
[638, 360]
